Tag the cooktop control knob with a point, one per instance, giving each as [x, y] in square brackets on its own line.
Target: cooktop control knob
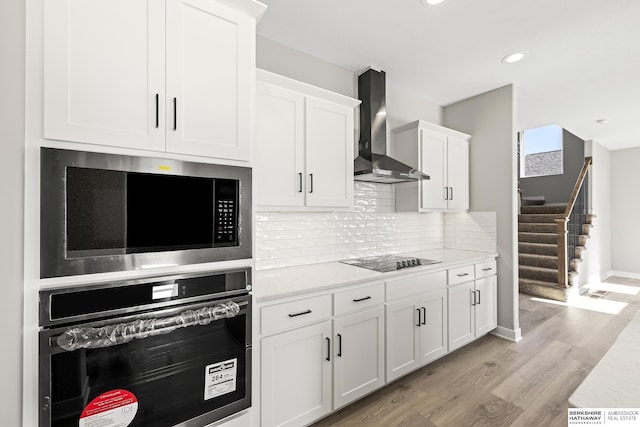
[398, 265]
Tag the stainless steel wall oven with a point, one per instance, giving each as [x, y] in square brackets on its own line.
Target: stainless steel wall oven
[164, 351]
[106, 212]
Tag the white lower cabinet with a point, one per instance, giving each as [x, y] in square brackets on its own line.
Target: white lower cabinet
[416, 332]
[309, 371]
[472, 309]
[322, 352]
[358, 364]
[296, 376]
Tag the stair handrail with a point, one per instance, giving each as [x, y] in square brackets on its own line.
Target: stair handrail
[563, 271]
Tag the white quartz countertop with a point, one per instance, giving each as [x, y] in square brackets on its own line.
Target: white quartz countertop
[291, 281]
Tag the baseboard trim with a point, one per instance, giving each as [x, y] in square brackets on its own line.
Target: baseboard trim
[624, 274]
[514, 335]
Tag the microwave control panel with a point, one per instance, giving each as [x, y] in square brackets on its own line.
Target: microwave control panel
[226, 213]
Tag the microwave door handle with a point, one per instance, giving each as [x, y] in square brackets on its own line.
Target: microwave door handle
[120, 333]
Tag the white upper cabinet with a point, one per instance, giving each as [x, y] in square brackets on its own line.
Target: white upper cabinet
[173, 75]
[329, 153]
[103, 66]
[303, 146]
[441, 153]
[279, 147]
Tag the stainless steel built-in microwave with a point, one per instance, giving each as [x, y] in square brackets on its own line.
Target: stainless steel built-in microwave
[106, 212]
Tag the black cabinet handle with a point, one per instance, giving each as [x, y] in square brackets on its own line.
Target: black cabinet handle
[311, 186]
[473, 297]
[299, 314]
[175, 114]
[300, 182]
[339, 345]
[446, 193]
[157, 110]
[424, 315]
[361, 299]
[451, 198]
[478, 297]
[487, 269]
[419, 319]
[328, 349]
[462, 275]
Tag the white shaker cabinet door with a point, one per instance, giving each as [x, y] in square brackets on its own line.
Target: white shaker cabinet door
[358, 366]
[403, 340]
[209, 66]
[433, 326]
[486, 305]
[329, 154]
[461, 315]
[458, 174]
[432, 154]
[296, 376]
[104, 72]
[279, 177]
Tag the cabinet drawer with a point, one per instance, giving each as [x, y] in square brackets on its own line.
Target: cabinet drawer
[356, 299]
[289, 315]
[486, 269]
[407, 286]
[461, 274]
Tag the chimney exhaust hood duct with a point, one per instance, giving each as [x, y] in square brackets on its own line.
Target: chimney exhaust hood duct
[372, 163]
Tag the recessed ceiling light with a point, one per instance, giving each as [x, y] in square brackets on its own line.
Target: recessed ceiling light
[513, 57]
[432, 2]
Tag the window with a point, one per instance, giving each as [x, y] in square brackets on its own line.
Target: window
[541, 152]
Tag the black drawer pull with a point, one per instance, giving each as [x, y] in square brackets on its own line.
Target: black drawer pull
[419, 315]
[462, 275]
[487, 269]
[361, 299]
[339, 345]
[299, 314]
[424, 315]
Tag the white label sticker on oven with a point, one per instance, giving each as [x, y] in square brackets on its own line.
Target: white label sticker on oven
[115, 408]
[220, 378]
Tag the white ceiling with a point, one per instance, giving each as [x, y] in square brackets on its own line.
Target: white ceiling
[582, 63]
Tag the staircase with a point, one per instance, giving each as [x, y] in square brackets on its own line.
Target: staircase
[538, 252]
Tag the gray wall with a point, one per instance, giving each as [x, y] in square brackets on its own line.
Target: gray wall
[625, 205]
[12, 72]
[490, 119]
[558, 188]
[402, 107]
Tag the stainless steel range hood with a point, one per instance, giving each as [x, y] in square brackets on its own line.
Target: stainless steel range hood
[372, 163]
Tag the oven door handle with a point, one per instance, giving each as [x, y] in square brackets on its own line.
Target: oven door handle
[120, 333]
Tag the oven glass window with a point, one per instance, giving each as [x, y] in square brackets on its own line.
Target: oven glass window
[173, 377]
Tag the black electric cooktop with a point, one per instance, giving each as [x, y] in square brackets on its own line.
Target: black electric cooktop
[385, 263]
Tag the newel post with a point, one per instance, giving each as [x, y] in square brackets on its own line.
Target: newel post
[562, 251]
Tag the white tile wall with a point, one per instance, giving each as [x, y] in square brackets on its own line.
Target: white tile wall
[373, 228]
[288, 239]
[473, 231]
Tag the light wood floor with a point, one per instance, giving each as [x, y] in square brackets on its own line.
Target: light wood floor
[494, 382]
